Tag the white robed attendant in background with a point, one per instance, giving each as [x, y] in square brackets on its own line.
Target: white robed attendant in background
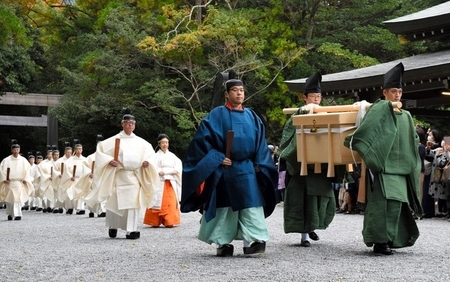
[85, 184]
[166, 210]
[46, 191]
[15, 182]
[61, 181]
[77, 169]
[171, 166]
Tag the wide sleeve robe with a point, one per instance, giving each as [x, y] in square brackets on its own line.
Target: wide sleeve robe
[240, 185]
[133, 152]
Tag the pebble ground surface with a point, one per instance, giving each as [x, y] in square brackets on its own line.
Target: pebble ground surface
[60, 247]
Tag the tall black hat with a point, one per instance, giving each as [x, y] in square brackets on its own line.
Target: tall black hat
[14, 144]
[394, 77]
[77, 144]
[232, 80]
[55, 150]
[127, 114]
[67, 146]
[30, 155]
[312, 84]
[39, 155]
[49, 149]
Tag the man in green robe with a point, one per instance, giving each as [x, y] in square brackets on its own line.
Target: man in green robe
[309, 202]
[388, 144]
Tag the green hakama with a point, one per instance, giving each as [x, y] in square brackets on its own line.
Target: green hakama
[386, 140]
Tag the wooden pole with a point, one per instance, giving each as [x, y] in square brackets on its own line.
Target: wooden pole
[92, 167]
[74, 170]
[341, 108]
[116, 149]
[230, 137]
[304, 165]
[362, 184]
[330, 172]
[62, 168]
[8, 170]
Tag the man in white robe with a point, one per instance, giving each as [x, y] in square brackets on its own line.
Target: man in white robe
[46, 191]
[15, 182]
[32, 160]
[61, 182]
[127, 183]
[37, 203]
[76, 169]
[84, 185]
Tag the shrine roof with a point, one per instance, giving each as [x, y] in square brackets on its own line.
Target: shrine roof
[419, 69]
[427, 23]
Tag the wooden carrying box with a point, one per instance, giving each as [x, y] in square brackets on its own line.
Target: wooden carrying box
[320, 136]
[320, 139]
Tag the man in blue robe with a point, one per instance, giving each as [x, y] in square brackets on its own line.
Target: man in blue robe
[234, 191]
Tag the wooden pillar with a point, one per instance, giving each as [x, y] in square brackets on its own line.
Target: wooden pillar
[52, 129]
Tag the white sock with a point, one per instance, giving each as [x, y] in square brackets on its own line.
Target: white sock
[305, 237]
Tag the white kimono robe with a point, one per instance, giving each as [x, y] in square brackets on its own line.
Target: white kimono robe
[35, 176]
[61, 179]
[168, 162]
[84, 185]
[67, 187]
[129, 185]
[16, 191]
[45, 182]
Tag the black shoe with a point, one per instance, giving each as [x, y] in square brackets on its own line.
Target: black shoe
[69, 211]
[134, 235]
[18, 218]
[112, 233]
[313, 236]
[305, 243]
[61, 210]
[103, 214]
[55, 210]
[80, 212]
[50, 209]
[44, 210]
[91, 214]
[39, 209]
[255, 248]
[32, 208]
[9, 217]
[382, 248]
[225, 250]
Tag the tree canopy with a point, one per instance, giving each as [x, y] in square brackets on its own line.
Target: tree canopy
[161, 58]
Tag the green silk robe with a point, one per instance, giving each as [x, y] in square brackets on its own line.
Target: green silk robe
[387, 142]
[309, 202]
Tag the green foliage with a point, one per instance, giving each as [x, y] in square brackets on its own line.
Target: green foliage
[12, 28]
[16, 68]
[160, 58]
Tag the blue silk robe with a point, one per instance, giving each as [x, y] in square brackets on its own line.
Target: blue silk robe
[238, 186]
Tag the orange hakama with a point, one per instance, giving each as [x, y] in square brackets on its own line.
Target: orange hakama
[169, 214]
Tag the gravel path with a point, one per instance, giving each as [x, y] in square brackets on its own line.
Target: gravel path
[60, 247]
